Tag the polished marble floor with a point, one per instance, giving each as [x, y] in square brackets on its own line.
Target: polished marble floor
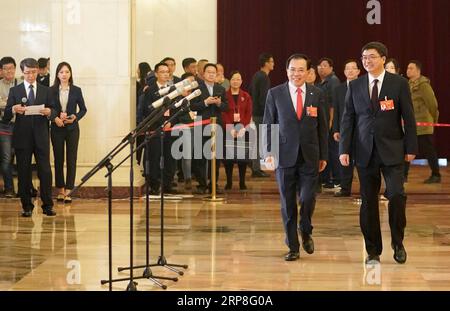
[235, 245]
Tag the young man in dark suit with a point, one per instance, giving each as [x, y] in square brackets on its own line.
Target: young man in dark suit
[43, 74]
[351, 72]
[372, 129]
[258, 89]
[298, 109]
[31, 136]
[144, 109]
[211, 103]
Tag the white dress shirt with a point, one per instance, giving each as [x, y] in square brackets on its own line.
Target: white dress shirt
[379, 84]
[64, 97]
[27, 88]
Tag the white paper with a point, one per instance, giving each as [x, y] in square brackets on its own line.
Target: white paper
[34, 110]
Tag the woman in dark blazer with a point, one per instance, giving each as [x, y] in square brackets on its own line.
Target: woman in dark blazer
[235, 122]
[65, 132]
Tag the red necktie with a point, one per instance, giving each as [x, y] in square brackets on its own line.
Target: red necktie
[299, 103]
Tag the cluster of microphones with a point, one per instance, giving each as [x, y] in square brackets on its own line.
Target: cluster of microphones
[173, 91]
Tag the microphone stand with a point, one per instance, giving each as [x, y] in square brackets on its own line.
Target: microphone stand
[162, 261]
[147, 271]
[106, 162]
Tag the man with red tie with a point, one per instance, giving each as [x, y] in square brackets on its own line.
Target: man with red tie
[298, 110]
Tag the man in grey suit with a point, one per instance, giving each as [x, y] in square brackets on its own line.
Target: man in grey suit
[372, 129]
[298, 109]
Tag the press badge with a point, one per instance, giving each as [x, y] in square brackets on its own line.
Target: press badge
[311, 111]
[237, 117]
[386, 104]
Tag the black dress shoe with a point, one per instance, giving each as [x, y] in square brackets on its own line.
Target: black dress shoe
[170, 191]
[400, 254]
[433, 179]
[307, 243]
[154, 192]
[9, 194]
[260, 173]
[328, 185]
[291, 256]
[372, 259]
[200, 190]
[218, 190]
[27, 213]
[49, 211]
[340, 194]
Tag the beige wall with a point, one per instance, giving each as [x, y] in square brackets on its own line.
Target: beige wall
[176, 28]
[103, 40]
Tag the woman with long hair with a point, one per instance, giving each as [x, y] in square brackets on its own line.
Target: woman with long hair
[65, 131]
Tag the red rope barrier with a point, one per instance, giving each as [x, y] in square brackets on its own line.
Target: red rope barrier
[433, 124]
[188, 125]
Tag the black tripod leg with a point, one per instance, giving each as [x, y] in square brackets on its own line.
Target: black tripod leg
[162, 262]
[148, 274]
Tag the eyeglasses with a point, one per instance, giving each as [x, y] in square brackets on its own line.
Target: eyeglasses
[369, 57]
[9, 68]
[31, 72]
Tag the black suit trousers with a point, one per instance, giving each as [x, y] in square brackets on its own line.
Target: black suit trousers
[370, 182]
[346, 176]
[41, 154]
[153, 172]
[65, 140]
[303, 178]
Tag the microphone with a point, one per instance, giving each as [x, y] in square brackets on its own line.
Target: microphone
[167, 89]
[158, 103]
[193, 85]
[24, 101]
[193, 95]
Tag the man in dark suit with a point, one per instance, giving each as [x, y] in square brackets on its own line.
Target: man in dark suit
[210, 104]
[298, 110]
[258, 89]
[31, 136]
[144, 109]
[372, 130]
[43, 77]
[351, 72]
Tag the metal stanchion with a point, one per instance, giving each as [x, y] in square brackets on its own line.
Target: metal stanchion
[213, 197]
